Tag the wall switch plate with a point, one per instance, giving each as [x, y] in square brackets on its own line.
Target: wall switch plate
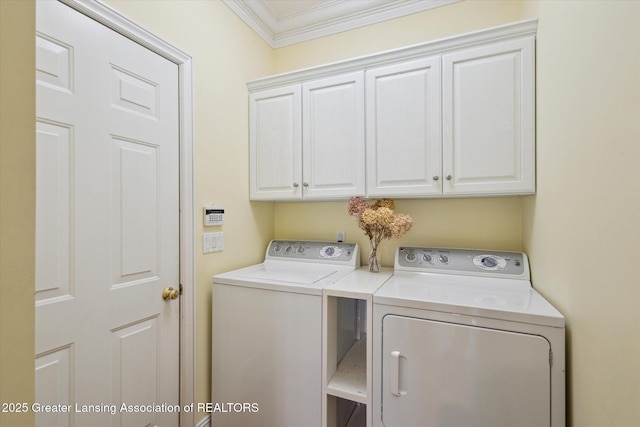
[212, 242]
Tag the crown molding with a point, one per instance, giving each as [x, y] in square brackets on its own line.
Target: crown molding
[326, 18]
[525, 28]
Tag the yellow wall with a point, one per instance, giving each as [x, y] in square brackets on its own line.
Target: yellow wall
[17, 203]
[433, 24]
[493, 223]
[582, 228]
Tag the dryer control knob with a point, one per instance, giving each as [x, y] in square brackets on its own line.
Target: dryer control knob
[411, 257]
[489, 262]
[443, 259]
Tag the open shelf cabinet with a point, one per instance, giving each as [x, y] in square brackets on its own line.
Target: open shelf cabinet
[347, 348]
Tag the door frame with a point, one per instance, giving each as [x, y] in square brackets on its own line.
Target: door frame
[112, 19]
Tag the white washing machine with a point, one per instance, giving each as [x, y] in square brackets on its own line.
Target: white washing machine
[267, 335]
[462, 339]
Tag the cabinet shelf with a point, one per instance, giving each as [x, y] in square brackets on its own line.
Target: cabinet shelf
[350, 379]
[347, 347]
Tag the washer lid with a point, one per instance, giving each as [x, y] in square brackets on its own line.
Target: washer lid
[299, 277]
[299, 266]
[503, 299]
[299, 274]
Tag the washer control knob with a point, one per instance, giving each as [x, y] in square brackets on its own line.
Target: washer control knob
[411, 257]
[330, 252]
[443, 259]
[288, 249]
[427, 258]
[277, 247]
[300, 249]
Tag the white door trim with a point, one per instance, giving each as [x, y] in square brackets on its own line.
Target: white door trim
[111, 18]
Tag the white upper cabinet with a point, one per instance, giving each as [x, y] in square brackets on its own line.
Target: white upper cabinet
[404, 144]
[449, 118]
[275, 144]
[307, 141]
[489, 119]
[333, 137]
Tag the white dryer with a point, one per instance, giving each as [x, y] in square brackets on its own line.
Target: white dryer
[462, 339]
[267, 335]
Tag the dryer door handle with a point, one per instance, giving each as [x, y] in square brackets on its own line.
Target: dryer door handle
[395, 374]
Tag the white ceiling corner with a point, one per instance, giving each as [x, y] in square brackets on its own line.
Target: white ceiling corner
[284, 22]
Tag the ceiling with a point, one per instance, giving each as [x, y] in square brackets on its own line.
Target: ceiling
[284, 22]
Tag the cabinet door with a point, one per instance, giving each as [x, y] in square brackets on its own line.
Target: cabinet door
[404, 129]
[489, 107]
[275, 141]
[333, 137]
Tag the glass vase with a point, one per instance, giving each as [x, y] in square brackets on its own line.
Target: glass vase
[374, 266]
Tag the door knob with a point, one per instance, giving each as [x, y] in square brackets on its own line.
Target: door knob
[170, 293]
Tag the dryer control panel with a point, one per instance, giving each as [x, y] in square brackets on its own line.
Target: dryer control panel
[324, 252]
[463, 261]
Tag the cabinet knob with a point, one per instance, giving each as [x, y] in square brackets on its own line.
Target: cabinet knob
[296, 185]
[436, 177]
[306, 184]
[449, 177]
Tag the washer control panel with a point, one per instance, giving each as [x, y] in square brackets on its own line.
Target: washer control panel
[463, 261]
[312, 250]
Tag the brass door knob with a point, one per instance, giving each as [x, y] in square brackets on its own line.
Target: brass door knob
[170, 293]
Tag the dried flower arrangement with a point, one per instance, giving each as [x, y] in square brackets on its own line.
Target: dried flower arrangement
[378, 222]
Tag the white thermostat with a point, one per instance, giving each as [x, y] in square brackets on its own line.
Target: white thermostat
[213, 215]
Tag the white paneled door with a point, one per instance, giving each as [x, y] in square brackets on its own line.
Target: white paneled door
[107, 226]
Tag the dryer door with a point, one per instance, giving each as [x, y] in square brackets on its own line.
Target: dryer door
[448, 375]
